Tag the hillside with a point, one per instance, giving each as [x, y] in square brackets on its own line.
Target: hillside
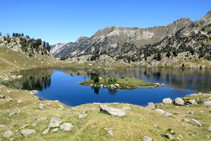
[118, 40]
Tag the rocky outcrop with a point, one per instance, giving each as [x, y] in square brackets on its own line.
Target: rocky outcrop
[112, 111]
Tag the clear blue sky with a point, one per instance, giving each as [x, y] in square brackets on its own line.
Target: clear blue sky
[58, 21]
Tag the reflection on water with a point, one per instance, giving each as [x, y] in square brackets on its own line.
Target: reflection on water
[62, 85]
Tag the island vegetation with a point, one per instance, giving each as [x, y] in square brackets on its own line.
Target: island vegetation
[115, 83]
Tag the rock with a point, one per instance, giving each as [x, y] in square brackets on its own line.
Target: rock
[46, 131]
[116, 86]
[167, 114]
[110, 132]
[19, 101]
[126, 108]
[2, 96]
[55, 130]
[167, 136]
[186, 120]
[113, 111]
[157, 84]
[162, 85]
[11, 114]
[167, 101]
[9, 100]
[26, 132]
[209, 128]
[180, 136]
[193, 121]
[179, 101]
[61, 107]
[8, 134]
[19, 76]
[150, 105]
[193, 102]
[39, 118]
[2, 126]
[200, 111]
[160, 111]
[207, 103]
[66, 126]
[54, 122]
[34, 124]
[147, 138]
[172, 131]
[82, 115]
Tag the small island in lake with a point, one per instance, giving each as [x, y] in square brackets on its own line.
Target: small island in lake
[114, 83]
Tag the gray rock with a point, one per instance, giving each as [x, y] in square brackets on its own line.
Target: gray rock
[9, 99]
[110, 132]
[8, 134]
[2, 126]
[167, 136]
[54, 122]
[150, 105]
[167, 101]
[45, 131]
[61, 107]
[172, 131]
[113, 111]
[126, 108]
[66, 126]
[209, 128]
[179, 101]
[55, 130]
[82, 115]
[200, 111]
[193, 121]
[147, 138]
[11, 114]
[180, 136]
[193, 102]
[26, 132]
[39, 118]
[19, 101]
[116, 86]
[207, 103]
[167, 114]
[160, 111]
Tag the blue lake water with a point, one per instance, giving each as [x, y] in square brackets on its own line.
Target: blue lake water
[62, 85]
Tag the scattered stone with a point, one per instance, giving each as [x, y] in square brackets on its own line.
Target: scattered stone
[9, 100]
[209, 128]
[82, 115]
[172, 131]
[8, 134]
[191, 112]
[39, 118]
[108, 128]
[46, 131]
[34, 124]
[110, 132]
[167, 136]
[160, 111]
[2, 126]
[150, 105]
[207, 103]
[116, 86]
[113, 111]
[167, 101]
[147, 138]
[2, 96]
[26, 132]
[200, 111]
[179, 101]
[55, 130]
[54, 122]
[19, 101]
[193, 102]
[19, 76]
[167, 114]
[126, 108]
[186, 120]
[11, 114]
[180, 136]
[193, 121]
[66, 126]
[23, 126]
[155, 126]
[61, 107]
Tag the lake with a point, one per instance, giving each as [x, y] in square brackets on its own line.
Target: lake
[62, 85]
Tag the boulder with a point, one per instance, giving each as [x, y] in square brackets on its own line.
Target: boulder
[82, 115]
[8, 134]
[207, 103]
[193, 121]
[126, 108]
[9, 100]
[193, 102]
[167, 101]
[54, 122]
[55, 130]
[179, 101]
[26, 132]
[209, 128]
[66, 126]
[150, 105]
[160, 111]
[170, 137]
[116, 86]
[110, 132]
[2, 96]
[45, 131]
[112, 111]
[19, 101]
[147, 138]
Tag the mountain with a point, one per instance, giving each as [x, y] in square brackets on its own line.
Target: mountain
[118, 40]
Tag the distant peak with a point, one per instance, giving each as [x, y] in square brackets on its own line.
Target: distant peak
[81, 38]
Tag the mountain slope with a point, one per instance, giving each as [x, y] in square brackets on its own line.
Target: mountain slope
[119, 40]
